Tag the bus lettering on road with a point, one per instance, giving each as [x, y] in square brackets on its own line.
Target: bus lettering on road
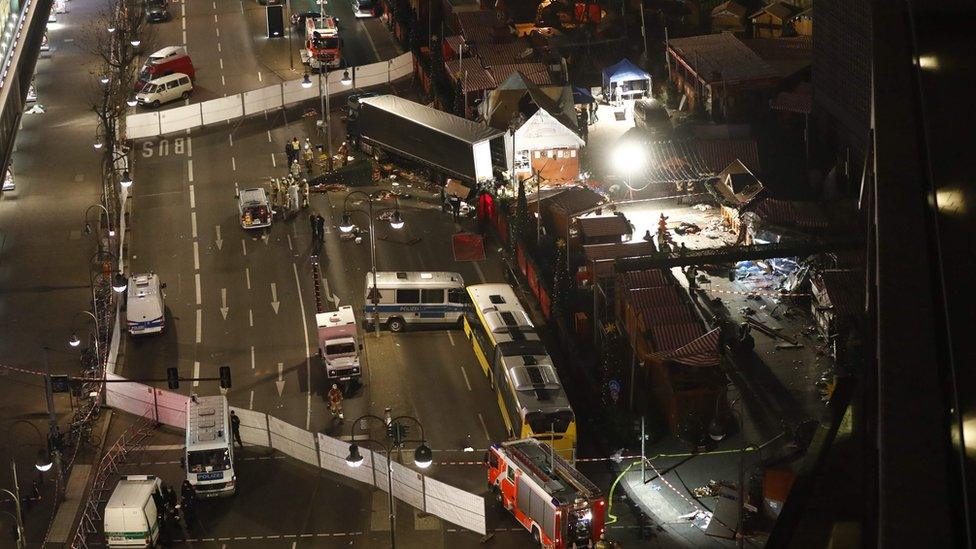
[162, 147]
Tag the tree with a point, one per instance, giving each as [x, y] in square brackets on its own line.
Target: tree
[519, 225]
[611, 364]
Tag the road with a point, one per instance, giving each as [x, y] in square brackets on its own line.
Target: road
[231, 52]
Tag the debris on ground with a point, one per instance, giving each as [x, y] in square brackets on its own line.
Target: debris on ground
[789, 345]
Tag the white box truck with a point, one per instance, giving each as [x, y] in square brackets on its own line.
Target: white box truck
[339, 345]
[132, 514]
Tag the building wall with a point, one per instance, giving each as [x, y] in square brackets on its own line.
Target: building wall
[841, 73]
[766, 25]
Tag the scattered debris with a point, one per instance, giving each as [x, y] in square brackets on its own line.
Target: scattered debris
[789, 345]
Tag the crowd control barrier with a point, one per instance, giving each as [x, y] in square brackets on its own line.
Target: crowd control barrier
[291, 92]
[259, 429]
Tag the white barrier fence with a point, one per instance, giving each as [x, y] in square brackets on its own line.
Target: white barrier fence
[277, 96]
[426, 494]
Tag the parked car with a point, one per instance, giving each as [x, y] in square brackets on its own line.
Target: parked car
[165, 89]
[364, 8]
[298, 18]
[254, 209]
[157, 11]
[166, 61]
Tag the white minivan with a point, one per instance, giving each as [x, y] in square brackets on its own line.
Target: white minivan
[133, 511]
[165, 89]
[144, 306]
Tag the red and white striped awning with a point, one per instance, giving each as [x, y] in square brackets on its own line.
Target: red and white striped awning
[703, 351]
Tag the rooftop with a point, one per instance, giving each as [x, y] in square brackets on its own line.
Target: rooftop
[721, 57]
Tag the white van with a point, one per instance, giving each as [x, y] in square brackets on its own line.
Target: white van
[209, 458]
[144, 308]
[165, 89]
[132, 514]
[405, 297]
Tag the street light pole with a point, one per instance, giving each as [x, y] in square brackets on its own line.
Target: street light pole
[422, 456]
[19, 518]
[396, 222]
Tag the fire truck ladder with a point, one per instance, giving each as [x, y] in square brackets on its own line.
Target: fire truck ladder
[562, 471]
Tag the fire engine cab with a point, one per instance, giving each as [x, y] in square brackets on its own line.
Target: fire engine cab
[547, 495]
[322, 43]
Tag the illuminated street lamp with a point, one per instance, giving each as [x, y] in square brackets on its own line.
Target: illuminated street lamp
[345, 78]
[126, 180]
[422, 455]
[346, 226]
[306, 81]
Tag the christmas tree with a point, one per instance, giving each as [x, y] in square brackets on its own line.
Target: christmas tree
[560, 280]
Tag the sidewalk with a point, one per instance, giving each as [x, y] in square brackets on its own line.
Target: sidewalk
[44, 250]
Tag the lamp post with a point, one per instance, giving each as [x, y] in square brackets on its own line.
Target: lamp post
[42, 464]
[326, 117]
[396, 223]
[108, 219]
[422, 456]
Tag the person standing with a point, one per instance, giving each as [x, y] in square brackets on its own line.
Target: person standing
[320, 227]
[235, 427]
[293, 196]
[308, 155]
[314, 224]
[188, 496]
[305, 191]
[289, 152]
[296, 148]
[335, 401]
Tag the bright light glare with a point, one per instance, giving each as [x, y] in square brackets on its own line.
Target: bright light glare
[628, 158]
[928, 62]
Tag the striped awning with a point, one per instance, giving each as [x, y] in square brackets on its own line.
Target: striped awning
[667, 338]
[536, 73]
[662, 296]
[645, 279]
[702, 351]
[470, 73]
[669, 315]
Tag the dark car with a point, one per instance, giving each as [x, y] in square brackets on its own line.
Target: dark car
[298, 18]
[157, 11]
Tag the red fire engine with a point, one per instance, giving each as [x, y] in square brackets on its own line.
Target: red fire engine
[322, 43]
[547, 495]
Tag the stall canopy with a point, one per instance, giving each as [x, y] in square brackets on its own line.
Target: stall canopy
[582, 96]
[624, 80]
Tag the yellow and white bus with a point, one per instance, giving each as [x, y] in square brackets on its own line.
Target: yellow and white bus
[518, 367]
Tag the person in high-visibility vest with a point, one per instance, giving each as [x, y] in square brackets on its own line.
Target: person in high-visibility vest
[335, 401]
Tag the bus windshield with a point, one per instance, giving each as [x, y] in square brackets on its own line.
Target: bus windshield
[208, 460]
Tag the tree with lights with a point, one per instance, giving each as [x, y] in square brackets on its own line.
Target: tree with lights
[560, 280]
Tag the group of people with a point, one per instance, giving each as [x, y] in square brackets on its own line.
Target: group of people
[288, 194]
[317, 223]
[297, 152]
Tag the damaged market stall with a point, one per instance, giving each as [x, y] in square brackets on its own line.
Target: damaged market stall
[625, 80]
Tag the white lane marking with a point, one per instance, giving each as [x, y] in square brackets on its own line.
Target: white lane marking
[199, 325]
[218, 32]
[215, 18]
[182, 10]
[189, 145]
[218, 48]
[196, 255]
[193, 224]
[274, 163]
[184, 39]
[485, 427]
[244, 246]
[260, 78]
[196, 373]
[308, 362]
[223, 82]
[184, 23]
[269, 136]
[250, 402]
[223, 303]
[451, 337]
[252, 357]
[247, 276]
[371, 43]
[477, 268]
[193, 197]
[215, 5]
[189, 170]
[196, 278]
[289, 241]
[250, 317]
[230, 136]
[233, 166]
[465, 374]
[221, 63]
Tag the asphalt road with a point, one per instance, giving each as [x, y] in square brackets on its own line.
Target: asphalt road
[231, 53]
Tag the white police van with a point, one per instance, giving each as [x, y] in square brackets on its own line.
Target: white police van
[144, 307]
[412, 297]
[209, 458]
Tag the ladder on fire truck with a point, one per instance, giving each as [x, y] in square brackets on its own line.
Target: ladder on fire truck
[550, 469]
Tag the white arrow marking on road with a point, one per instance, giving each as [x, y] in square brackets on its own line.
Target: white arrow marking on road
[223, 303]
[219, 242]
[331, 296]
[280, 384]
[274, 297]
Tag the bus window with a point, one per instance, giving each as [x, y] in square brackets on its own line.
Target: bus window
[408, 296]
[457, 295]
[432, 296]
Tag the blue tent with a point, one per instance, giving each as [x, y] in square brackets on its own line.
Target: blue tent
[625, 78]
[582, 96]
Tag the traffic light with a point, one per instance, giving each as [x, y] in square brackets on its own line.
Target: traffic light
[173, 378]
[60, 384]
[225, 377]
[397, 431]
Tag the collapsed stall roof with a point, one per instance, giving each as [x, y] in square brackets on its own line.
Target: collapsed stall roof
[440, 121]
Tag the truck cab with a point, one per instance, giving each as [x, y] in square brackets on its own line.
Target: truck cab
[339, 345]
[322, 43]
